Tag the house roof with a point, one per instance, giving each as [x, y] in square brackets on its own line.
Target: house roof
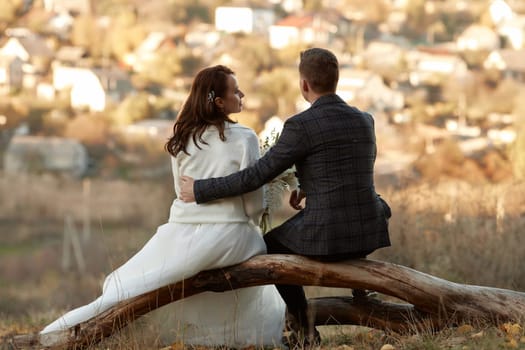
[35, 46]
[6, 60]
[112, 73]
[152, 42]
[351, 78]
[70, 53]
[298, 21]
[478, 31]
[250, 4]
[306, 19]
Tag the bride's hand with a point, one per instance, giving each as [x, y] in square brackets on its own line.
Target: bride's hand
[186, 189]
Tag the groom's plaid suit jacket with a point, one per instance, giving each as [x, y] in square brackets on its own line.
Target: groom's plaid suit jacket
[333, 147]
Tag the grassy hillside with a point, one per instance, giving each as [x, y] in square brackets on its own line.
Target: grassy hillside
[463, 233]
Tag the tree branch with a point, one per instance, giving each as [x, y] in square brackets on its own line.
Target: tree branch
[430, 301]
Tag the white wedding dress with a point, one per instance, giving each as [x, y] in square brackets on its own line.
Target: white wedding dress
[196, 238]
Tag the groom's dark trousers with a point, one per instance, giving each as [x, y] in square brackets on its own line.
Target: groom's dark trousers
[293, 295]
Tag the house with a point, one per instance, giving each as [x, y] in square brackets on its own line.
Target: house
[148, 51]
[25, 154]
[61, 24]
[320, 28]
[33, 51]
[511, 63]
[11, 75]
[29, 48]
[70, 55]
[478, 38]
[290, 5]
[160, 129]
[292, 30]
[71, 6]
[244, 19]
[500, 11]
[99, 87]
[396, 20]
[502, 136]
[366, 87]
[203, 35]
[383, 53]
[512, 31]
[432, 68]
[92, 88]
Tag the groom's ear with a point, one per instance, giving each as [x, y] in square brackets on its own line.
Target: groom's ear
[304, 85]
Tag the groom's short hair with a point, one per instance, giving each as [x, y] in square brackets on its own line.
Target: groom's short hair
[320, 68]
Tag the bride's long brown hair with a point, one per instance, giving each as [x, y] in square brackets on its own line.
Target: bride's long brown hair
[199, 110]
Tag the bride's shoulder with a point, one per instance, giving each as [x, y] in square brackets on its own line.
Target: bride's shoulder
[242, 136]
[241, 129]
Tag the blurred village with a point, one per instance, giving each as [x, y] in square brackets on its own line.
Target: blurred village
[91, 88]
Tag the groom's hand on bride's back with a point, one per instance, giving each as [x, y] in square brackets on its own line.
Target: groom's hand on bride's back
[186, 189]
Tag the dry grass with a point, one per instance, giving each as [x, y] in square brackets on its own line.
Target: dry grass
[464, 233]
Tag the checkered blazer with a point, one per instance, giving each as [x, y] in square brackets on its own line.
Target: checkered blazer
[333, 147]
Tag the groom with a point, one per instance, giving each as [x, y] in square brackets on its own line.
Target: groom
[333, 147]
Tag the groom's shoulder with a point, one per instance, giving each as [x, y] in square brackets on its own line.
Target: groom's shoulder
[307, 113]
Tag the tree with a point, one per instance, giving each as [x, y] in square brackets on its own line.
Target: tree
[126, 34]
[132, 109]
[86, 33]
[166, 65]
[9, 10]
[184, 11]
[279, 88]
[373, 10]
[312, 5]
[417, 18]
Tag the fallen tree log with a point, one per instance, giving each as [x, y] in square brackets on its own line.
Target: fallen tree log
[431, 302]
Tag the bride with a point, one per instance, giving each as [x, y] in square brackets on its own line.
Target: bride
[205, 143]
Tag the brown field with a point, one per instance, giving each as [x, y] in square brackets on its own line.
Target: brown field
[453, 230]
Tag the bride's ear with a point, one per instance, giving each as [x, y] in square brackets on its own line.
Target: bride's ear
[219, 102]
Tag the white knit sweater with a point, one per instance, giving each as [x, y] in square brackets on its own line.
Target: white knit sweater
[214, 159]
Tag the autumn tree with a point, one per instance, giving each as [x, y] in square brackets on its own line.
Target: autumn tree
[165, 66]
[133, 108]
[418, 20]
[86, 33]
[373, 10]
[185, 11]
[126, 33]
[9, 10]
[279, 90]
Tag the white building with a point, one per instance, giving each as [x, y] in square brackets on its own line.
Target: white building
[45, 154]
[243, 19]
[368, 87]
[426, 67]
[478, 37]
[92, 88]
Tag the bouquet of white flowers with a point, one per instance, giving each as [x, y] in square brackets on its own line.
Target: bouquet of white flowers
[274, 189]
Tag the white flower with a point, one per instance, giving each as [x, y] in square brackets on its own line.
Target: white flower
[273, 190]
